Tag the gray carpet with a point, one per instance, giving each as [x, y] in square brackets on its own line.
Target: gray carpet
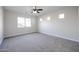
[37, 42]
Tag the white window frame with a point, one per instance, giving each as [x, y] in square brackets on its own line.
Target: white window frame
[28, 22]
[23, 22]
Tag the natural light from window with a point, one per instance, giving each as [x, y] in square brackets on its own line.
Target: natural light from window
[28, 22]
[23, 22]
[61, 16]
[20, 22]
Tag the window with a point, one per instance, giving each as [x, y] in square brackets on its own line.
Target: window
[28, 22]
[23, 22]
[61, 16]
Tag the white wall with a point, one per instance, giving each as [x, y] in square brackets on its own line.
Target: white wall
[64, 28]
[10, 24]
[1, 25]
[78, 22]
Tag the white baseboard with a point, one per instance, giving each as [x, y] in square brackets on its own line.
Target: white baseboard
[18, 35]
[46, 34]
[61, 37]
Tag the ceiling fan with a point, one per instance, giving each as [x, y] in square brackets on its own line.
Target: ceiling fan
[35, 10]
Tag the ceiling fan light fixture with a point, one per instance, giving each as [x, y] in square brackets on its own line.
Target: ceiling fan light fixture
[34, 12]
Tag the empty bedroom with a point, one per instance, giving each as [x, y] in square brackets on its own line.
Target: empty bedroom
[39, 29]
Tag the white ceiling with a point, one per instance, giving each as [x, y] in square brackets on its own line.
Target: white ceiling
[28, 9]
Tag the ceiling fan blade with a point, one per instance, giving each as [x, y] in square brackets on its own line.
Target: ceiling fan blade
[38, 12]
[39, 9]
